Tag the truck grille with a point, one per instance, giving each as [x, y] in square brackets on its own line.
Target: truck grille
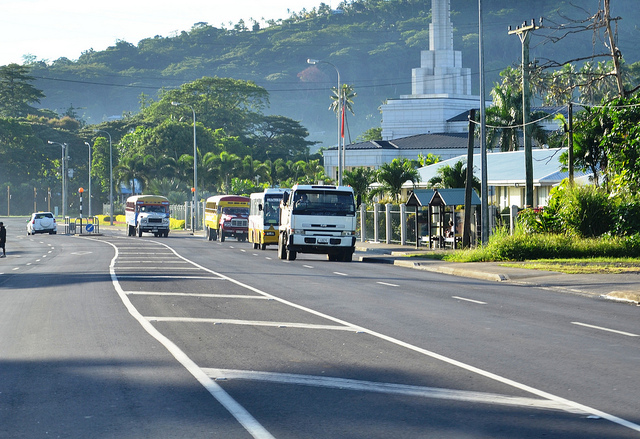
[236, 222]
[155, 220]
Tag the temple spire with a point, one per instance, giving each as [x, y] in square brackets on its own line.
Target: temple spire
[440, 30]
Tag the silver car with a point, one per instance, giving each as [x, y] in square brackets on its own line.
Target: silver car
[42, 222]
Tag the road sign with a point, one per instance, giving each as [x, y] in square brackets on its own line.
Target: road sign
[89, 228]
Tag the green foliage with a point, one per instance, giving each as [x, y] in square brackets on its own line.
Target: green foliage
[393, 175]
[523, 246]
[587, 211]
[454, 177]
[360, 179]
[17, 92]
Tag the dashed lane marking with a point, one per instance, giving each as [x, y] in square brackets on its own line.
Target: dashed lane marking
[628, 334]
[469, 300]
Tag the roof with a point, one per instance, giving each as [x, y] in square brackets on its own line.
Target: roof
[439, 197]
[419, 141]
[508, 168]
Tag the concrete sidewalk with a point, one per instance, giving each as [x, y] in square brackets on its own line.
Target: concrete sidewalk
[622, 287]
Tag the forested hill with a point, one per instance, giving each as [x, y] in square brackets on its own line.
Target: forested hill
[373, 43]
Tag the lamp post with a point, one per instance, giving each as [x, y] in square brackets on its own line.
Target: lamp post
[194, 214]
[110, 176]
[89, 145]
[64, 176]
[340, 104]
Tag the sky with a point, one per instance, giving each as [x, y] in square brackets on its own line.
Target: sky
[50, 29]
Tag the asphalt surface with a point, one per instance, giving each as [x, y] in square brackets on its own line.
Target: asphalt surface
[296, 349]
[623, 287]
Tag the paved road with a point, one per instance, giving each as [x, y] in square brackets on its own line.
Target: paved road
[180, 337]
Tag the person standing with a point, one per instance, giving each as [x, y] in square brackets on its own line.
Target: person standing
[3, 239]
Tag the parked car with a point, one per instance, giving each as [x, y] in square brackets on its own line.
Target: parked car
[42, 222]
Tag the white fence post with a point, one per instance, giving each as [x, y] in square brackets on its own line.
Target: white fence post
[376, 234]
[403, 224]
[387, 214]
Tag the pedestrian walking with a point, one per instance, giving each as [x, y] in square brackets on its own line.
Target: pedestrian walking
[3, 239]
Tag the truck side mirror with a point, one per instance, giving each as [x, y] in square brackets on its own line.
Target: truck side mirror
[358, 201]
[260, 207]
[285, 198]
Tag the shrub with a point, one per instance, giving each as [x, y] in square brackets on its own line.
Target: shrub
[586, 211]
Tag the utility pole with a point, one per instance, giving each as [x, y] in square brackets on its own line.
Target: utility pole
[615, 52]
[570, 142]
[524, 33]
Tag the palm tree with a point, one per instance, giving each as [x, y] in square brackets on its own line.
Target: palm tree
[393, 175]
[343, 97]
[454, 177]
[360, 179]
[504, 118]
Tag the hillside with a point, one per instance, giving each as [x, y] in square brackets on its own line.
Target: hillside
[374, 44]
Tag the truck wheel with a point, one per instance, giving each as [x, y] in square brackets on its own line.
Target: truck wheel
[221, 235]
[291, 255]
[347, 256]
[139, 232]
[263, 247]
[332, 257]
[209, 237]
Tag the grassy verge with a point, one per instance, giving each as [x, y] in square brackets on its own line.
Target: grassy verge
[607, 254]
[582, 266]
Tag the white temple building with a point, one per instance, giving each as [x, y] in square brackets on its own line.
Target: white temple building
[441, 87]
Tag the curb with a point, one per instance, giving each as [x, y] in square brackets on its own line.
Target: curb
[624, 296]
[453, 270]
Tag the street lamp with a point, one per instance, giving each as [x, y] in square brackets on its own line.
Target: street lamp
[110, 176]
[89, 145]
[340, 153]
[194, 214]
[64, 176]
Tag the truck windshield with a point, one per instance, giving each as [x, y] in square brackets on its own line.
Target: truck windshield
[153, 208]
[272, 210]
[235, 211]
[323, 202]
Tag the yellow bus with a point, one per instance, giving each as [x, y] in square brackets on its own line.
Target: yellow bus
[226, 216]
[264, 217]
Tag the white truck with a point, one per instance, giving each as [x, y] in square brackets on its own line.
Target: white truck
[148, 214]
[318, 219]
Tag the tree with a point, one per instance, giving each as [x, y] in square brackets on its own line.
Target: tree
[393, 175]
[360, 179]
[16, 92]
[454, 177]
[343, 100]
[275, 137]
[372, 134]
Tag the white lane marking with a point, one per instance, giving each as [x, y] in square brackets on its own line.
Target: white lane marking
[469, 300]
[213, 296]
[267, 258]
[16, 268]
[152, 268]
[44, 256]
[237, 411]
[37, 260]
[250, 323]
[81, 253]
[169, 277]
[50, 251]
[307, 266]
[387, 284]
[628, 334]
[28, 263]
[243, 250]
[574, 405]
[388, 388]
[340, 274]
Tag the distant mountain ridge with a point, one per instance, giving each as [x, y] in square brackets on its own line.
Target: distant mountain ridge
[373, 43]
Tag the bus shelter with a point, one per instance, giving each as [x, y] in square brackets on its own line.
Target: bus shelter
[443, 224]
